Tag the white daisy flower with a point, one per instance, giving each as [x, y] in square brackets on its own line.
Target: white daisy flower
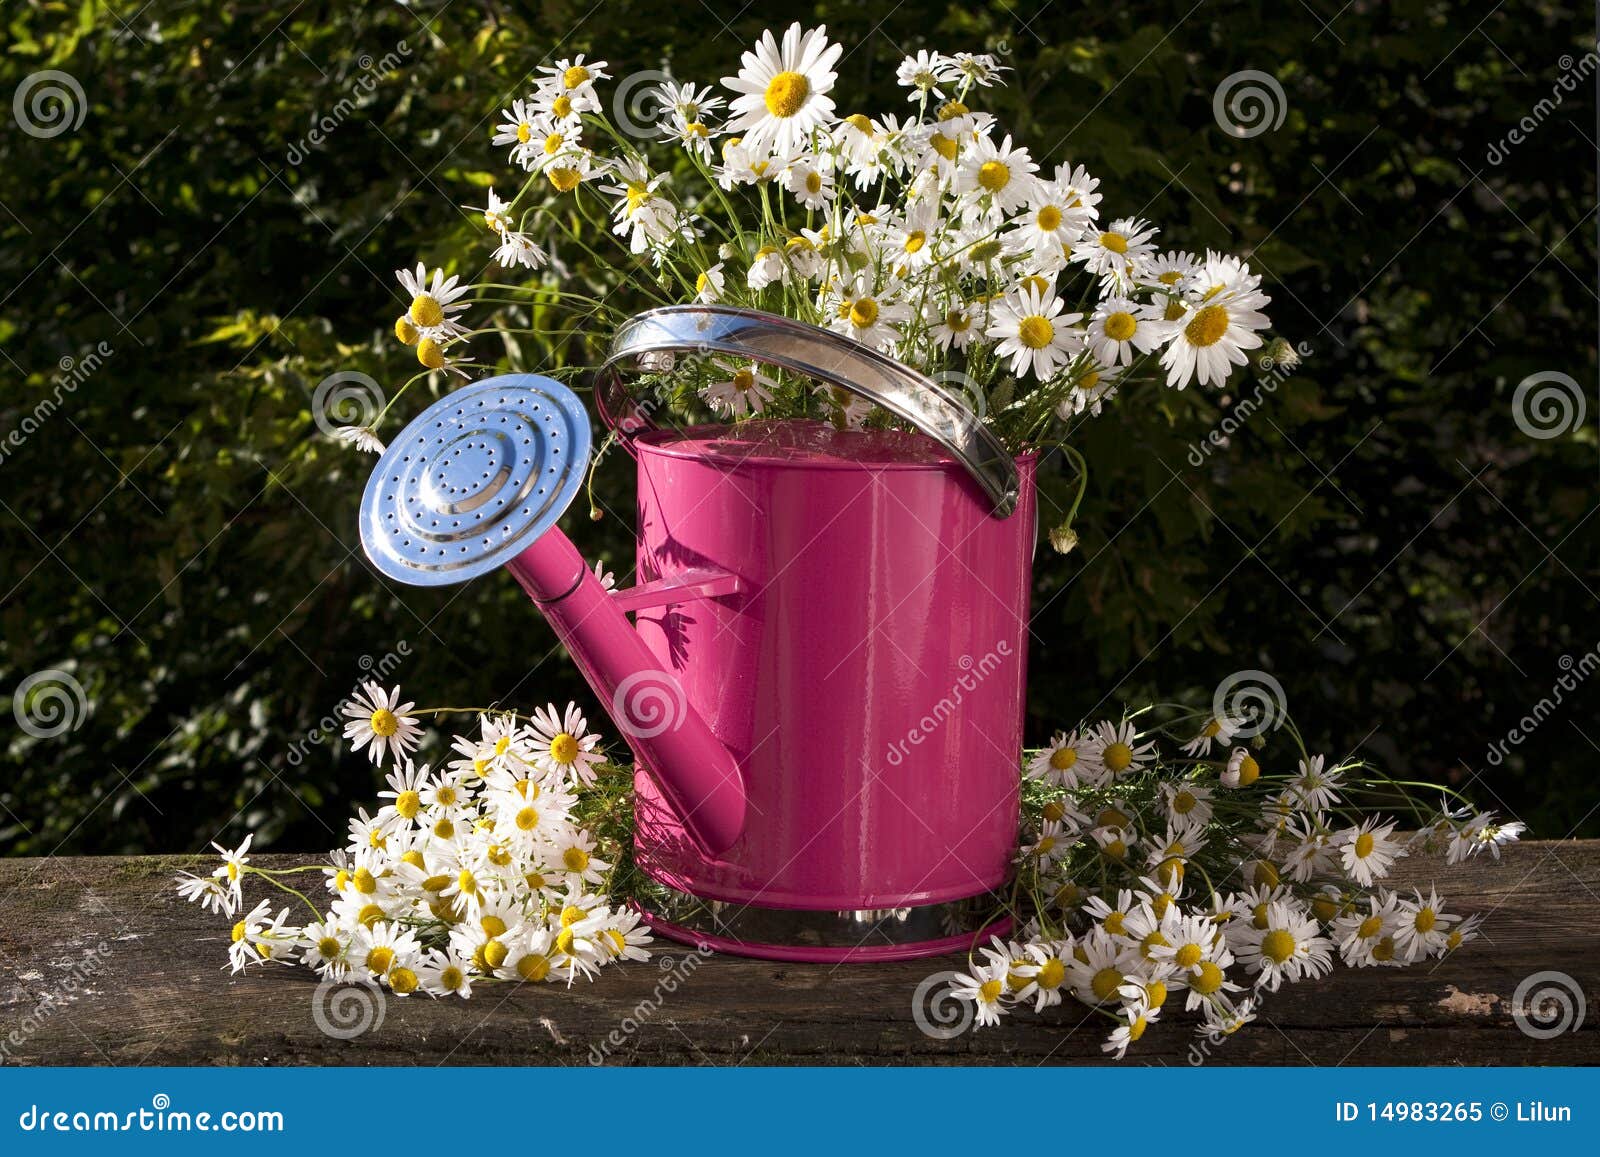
[566, 88]
[1117, 254]
[443, 973]
[1424, 926]
[954, 327]
[574, 850]
[436, 305]
[326, 945]
[1208, 341]
[517, 130]
[242, 949]
[783, 90]
[746, 390]
[1242, 769]
[979, 68]
[1101, 964]
[624, 936]
[1172, 271]
[926, 74]
[1058, 763]
[1116, 749]
[1219, 729]
[983, 987]
[1290, 947]
[208, 891]
[361, 438]
[1092, 385]
[811, 183]
[380, 723]
[232, 869]
[1366, 937]
[1368, 850]
[710, 284]
[871, 316]
[517, 251]
[1033, 332]
[1119, 328]
[1313, 788]
[1186, 801]
[999, 176]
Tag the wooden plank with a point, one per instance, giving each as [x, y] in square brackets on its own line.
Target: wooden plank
[101, 963]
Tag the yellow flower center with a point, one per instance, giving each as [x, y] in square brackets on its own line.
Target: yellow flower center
[915, 240]
[696, 129]
[364, 881]
[1425, 920]
[403, 981]
[1156, 991]
[1064, 758]
[1170, 277]
[444, 829]
[563, 180]
[1115, 242]
[1036, 283]
[1116, 849]
[1265, 873]
[1364, 845]
[575, 859]
[1249, 771]
[369, 915]
[1088, 382]
[1117, 757]
[384, 722]
[1160, 905]
[859, 122]
[1184, 802]
[1036, 332]
[1111, 817]
[989, 991]
[1208, 979]
[813, 182]
[1120, 327]
[493, 925]
[380, 959]
[1207, 326]
[1048, 219]
[994, 175]
[564, 748]
[1113, 923]
[1370, 927]
[533, 967]
[524, 132]
[328, 948]
[1136, 1029]
[1051, 973]
[451, 977]
[1188, 956]
[467, 883]
[863, 313]
[1384, 949]
[405, 331]
[528, 819]
[1105, 983]
[1150, 942]
[552, 144]
[408, 803]
[1277, 945]
[238, 932]
[574, 76]
[426, 312]
[943, 145]
[952, 109]
[494, 953]
[786, 94]
[562, 106]
[1175, 310]
[430, 353]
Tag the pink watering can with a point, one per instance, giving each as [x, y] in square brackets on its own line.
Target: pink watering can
[824, 684]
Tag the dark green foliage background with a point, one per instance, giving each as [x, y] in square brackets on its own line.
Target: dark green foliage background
[1380, 536]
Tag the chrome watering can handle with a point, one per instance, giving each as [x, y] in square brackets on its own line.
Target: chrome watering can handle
[815, 353]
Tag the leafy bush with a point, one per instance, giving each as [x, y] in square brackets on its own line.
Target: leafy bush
[1377, 532]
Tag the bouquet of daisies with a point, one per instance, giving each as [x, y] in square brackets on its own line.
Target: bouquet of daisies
[491, 868]
[929, 234]
[1212, 873]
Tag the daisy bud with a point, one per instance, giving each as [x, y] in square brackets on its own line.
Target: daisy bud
[1064, 539]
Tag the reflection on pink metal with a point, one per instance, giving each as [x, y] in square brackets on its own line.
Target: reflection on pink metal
[867, 677]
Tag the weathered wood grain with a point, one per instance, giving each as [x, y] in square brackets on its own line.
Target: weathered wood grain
[101, 963]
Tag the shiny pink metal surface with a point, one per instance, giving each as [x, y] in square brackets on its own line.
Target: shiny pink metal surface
[865, 679]
[866, 952]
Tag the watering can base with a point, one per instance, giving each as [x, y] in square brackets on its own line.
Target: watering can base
[824, 937]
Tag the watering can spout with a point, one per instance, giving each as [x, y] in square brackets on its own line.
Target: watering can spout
[477, 482]
[695, 771]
